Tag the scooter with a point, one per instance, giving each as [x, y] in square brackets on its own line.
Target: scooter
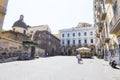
[113, 63]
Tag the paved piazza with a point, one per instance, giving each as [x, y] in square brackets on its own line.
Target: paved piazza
[58, 68]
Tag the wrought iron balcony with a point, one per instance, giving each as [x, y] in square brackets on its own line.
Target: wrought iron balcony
[103, 14]
[100, 27]
[98, 35]
[115, 22]
[2, 10]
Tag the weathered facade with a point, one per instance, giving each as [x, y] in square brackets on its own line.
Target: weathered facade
[12, 41]
[48, 42]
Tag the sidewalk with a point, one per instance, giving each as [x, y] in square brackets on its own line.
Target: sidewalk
[112, 72]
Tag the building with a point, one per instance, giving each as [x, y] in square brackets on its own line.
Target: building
[20, 26]
[32, 30]
[115, 21]
[106, 18]
[48, 42]
[73, 38]
[3, 6]
[12, 41]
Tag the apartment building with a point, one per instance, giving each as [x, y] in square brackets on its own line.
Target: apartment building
[73, 38]
[106, 20]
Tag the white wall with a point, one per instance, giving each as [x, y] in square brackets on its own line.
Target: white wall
[19, 29]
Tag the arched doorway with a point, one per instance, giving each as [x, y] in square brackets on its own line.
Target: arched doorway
[92, 49]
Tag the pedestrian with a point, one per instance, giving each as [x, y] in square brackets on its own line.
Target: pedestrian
[78, 56]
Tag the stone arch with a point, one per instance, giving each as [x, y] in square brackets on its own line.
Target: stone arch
[92, 48]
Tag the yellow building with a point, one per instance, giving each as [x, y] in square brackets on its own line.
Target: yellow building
[3, 6]
[107, 23]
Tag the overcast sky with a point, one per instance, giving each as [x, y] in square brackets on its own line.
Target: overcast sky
[58, 14]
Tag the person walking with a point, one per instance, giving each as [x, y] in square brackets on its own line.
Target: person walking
[78, 56]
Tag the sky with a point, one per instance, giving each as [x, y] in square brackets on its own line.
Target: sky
[58, 14]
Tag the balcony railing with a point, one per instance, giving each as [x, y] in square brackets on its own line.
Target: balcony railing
[2, 10]
[115, 22]
[103, 14]
[107, 39]
[98, 35]
[100, 26]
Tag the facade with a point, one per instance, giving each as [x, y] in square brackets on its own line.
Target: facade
[12, 41]
[32, 30]
[3, 6]
[106, 18]
[73, 38]
[48, 42]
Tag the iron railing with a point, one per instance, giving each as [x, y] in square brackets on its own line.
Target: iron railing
[115, 20]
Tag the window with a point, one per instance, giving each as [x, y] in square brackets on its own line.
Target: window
[91, 41]
[63, 35]
[85, 41]
[91, 33]
[24, 32]
[14, 29]
[85, 33]
[73, 34]
[39, 35]
[73, 41]
[68, 42]
[68, 34]
[79, 41]
[79, 34]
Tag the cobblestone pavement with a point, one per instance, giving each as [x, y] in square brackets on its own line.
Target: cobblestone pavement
[58, 68]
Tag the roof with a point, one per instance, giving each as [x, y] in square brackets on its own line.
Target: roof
[20, 23]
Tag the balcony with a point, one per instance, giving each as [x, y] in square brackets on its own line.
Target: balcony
[115, 22]
[103, 14]
[98, 35]
[107, 40]
[97, 22]
[98, 15]
[2, 10]
[100, 27]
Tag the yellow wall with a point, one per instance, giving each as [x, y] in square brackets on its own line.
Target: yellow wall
[3, 5]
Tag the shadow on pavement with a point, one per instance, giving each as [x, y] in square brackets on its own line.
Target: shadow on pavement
[116, 68]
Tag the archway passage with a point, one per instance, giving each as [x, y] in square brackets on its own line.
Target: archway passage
[92, 49]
